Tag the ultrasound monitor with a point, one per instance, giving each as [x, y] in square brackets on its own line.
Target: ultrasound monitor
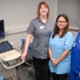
[2, 32]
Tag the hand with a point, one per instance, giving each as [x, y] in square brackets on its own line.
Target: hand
[54, 62]
[23, 56]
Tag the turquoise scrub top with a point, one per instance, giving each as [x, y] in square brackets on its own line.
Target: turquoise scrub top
[58, 46]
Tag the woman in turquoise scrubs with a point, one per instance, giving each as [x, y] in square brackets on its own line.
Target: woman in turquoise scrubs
[60, 44]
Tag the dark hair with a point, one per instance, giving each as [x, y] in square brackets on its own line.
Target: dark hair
[56, 29]
[39, 6]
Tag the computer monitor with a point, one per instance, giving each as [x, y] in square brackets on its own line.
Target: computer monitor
[2, 32]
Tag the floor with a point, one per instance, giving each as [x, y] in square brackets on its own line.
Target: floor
[26, 73]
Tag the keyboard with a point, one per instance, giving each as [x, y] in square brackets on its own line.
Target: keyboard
[10, 55]
[5, 46]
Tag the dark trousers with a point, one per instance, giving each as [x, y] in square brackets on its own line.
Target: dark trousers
[59, 76]
[41, 69]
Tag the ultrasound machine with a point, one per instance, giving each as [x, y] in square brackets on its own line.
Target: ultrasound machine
[9, 57]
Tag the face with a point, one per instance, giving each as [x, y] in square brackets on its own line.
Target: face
[43, 10]
[61, 23]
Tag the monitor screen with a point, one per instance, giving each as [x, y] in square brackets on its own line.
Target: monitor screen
[2, 32]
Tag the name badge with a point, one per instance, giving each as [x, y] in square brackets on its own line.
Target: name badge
[41, 27]
[60, 41]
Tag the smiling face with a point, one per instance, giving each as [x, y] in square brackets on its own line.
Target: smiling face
[61, 23]
[43, 10]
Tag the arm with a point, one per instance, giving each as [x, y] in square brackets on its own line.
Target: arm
[28, 39]
[50, 53]
[51, 57]
[68, 45]
[56, 61]
[63, 56]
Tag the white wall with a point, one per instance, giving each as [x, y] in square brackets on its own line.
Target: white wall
[53, 8]
[72, 9]
[18, 13]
